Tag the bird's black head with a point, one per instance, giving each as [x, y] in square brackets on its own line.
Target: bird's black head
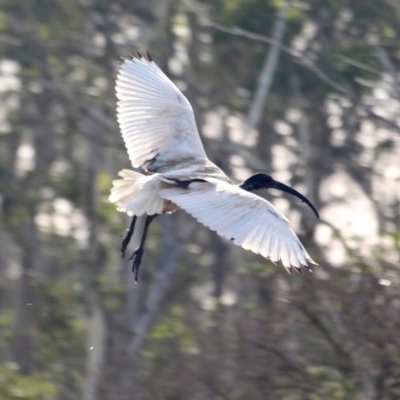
[257, 181]
[263, 181]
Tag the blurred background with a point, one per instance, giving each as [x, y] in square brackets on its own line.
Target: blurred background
[307, 91]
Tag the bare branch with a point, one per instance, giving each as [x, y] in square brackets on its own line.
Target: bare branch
[10, 40]
[386, 63]
[358, 64]
[268, 70]
[353, 347]
[300, 59]
[96, 334]
[254, 36]
[337, 234]
[171, 251]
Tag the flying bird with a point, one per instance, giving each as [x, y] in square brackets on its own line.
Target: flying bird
[160, 134]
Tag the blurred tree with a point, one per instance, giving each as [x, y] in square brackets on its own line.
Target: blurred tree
[207, 320]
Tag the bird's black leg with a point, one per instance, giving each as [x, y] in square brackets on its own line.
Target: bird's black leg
[127, 238]
[138, 253]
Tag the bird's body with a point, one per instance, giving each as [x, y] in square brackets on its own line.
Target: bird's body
[160, 134]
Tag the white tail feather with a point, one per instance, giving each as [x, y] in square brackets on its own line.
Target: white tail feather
[136, 194]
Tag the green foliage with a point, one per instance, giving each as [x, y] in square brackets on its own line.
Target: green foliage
[334, 386]
[13, 386]
[173, 327]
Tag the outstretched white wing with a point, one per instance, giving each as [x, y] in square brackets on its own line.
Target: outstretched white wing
[246, 219]
[156, 119]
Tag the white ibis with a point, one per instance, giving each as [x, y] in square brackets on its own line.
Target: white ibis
[160, 135]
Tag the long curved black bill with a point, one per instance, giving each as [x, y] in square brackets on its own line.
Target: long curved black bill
[288, 189]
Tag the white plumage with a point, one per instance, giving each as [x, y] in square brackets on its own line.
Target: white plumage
[154, 116]
[246, 219]
[159, 130]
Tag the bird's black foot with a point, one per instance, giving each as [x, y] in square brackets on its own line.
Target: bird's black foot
[136, 259]
[127, 238]
[124, 243]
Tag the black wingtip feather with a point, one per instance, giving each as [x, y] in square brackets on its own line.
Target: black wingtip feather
[121, 62]
[288, 269]
[139, 56]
